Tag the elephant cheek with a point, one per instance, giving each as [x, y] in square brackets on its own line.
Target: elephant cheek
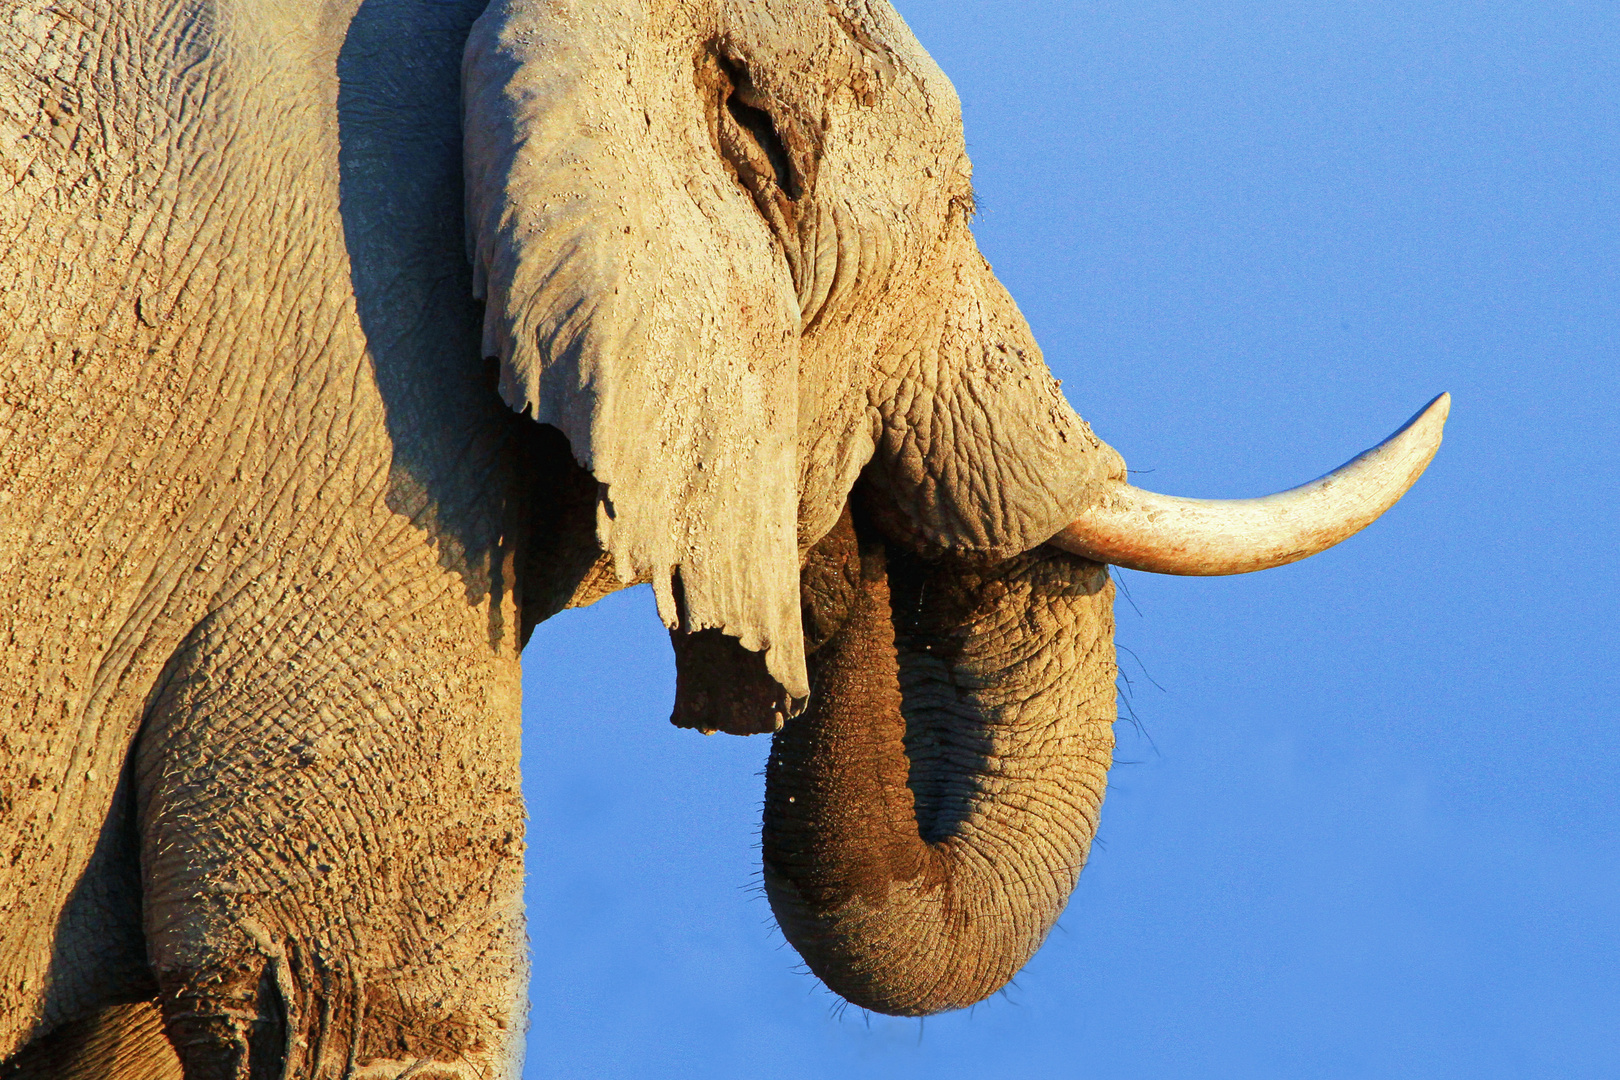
[979, 455]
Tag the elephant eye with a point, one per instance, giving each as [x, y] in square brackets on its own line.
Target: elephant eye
[758, 124]
[748, 138]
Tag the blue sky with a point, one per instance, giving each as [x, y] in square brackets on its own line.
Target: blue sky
[1366, 822]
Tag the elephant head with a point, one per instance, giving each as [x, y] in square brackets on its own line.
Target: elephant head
[725, 250]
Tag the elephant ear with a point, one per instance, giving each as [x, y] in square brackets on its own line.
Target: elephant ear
[636, 302]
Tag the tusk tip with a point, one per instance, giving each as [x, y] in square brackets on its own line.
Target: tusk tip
[1435, 412]
[1421, 434]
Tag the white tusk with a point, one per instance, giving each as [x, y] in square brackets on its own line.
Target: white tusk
[1164, 534]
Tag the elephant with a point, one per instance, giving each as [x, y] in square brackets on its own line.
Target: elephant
[344, 342]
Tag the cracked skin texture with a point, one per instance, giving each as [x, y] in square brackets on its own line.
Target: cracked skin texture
[259, 556]
[270, 540]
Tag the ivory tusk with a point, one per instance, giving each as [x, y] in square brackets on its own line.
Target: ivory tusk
[1164, 534]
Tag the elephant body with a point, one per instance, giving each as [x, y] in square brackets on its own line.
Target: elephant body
[259, 546]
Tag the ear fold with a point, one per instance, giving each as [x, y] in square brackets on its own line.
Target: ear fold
[636, 302]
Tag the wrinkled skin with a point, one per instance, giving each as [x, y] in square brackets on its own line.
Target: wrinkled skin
[927, 817]
[272, 540]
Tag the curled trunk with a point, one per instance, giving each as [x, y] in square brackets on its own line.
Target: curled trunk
[928, 816]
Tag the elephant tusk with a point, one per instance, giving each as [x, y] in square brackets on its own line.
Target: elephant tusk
[1163, 534]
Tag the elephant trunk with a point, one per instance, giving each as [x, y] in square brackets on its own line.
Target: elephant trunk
[928, 816]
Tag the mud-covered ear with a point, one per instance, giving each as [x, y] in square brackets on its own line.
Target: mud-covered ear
[636, 302]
